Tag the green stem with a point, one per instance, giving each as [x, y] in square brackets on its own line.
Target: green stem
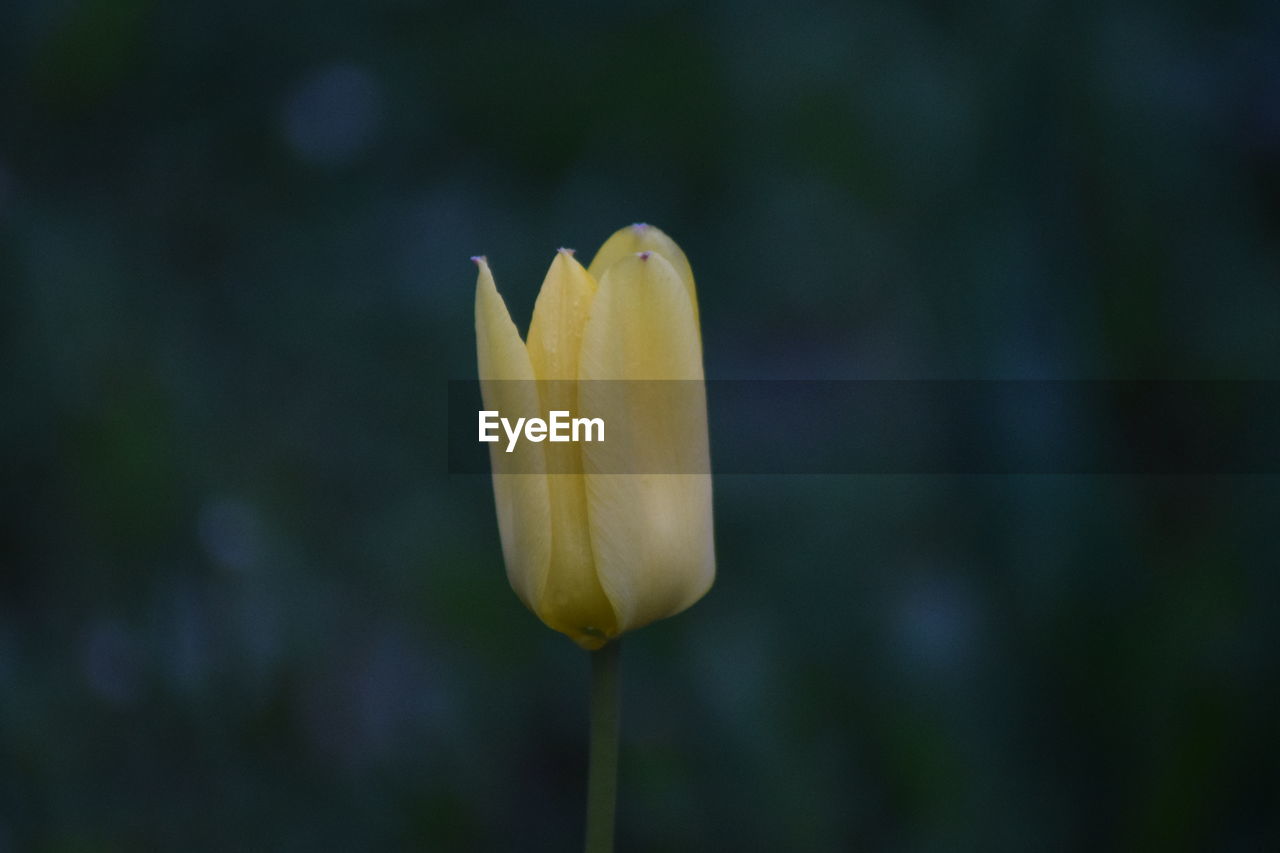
[602, 771]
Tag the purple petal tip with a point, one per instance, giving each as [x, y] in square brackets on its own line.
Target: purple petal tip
[644, 256]
[562, 250]
[479, 259]
[640, 226]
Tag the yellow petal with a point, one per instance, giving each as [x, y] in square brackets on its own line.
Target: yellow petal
[645, 238]
[559, 316]
[651, 532]
[572, 601]
[520, 488]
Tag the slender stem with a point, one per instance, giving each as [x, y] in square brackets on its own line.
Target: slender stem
[602, 771]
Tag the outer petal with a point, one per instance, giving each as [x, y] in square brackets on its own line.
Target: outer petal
[645, 238]
[572, 601]
[520, 488]
[651, 532]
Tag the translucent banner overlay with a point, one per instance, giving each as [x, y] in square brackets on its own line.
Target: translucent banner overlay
[895, 427]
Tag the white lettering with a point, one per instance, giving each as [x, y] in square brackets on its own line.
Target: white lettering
[487, 425]
[587, 424]
[561, 427]
[512, 434]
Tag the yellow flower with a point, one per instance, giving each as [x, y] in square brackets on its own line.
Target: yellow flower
[598, 539]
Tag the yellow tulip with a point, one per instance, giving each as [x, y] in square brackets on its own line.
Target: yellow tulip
[595, 542]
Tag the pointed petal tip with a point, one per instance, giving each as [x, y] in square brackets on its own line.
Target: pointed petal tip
[570, 252]
[479, 260]
[640, 226]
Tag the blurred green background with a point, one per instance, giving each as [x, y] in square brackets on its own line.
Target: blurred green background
[243, 607]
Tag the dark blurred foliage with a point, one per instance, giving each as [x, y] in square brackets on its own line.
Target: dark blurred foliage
[243, 607]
